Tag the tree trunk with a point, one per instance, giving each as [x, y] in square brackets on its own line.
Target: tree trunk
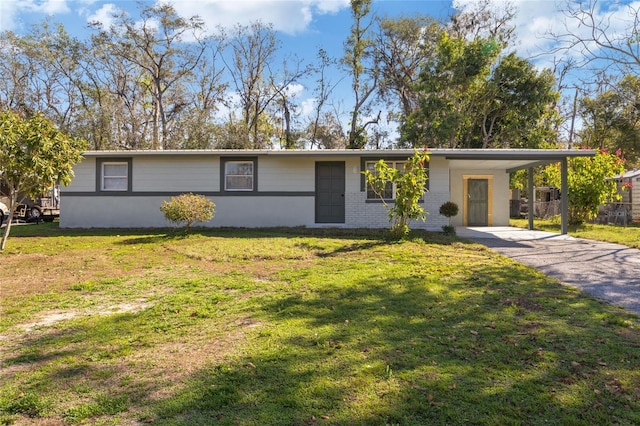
[7, 229]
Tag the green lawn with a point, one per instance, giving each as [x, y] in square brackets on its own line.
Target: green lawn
[625, 235]
[300, 327]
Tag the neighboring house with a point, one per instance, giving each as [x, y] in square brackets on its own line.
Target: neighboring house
[630, 194]
[319, 188]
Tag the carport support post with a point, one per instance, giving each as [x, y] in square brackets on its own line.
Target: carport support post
[564, 197]
[530, 200]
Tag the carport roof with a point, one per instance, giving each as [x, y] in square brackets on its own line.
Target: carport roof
[509, 159]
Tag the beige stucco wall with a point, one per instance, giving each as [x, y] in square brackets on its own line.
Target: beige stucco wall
[500, 194]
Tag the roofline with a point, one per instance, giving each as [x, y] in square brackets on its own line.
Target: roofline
[452, 154]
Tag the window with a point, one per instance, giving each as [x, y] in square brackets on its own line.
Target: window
[390, 190]
[115, 176]
[239, 175]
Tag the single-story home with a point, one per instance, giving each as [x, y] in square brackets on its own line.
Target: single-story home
[272, 188]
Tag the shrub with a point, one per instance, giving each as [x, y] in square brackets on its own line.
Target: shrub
[590, 183]
[188, 209]
[410, 185]
[449, 209]
[449, 230]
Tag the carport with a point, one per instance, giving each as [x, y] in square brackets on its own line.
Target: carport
[513, 160]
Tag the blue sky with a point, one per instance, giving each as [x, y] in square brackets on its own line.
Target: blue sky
[302, 23]
[305, 25]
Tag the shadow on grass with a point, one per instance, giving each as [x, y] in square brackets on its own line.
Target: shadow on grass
[394, 351]
[152, 235]
[370, 346]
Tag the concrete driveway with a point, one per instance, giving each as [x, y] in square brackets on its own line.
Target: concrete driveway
[608, 271]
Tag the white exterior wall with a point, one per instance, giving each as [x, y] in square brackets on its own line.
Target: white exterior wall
[287, 174]
[202, 174]
[362, 214]
[144, 212]
[278, 174]
[84, 179]
[500, 201]
[182, 174]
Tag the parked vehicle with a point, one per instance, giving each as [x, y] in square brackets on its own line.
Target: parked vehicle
[4, 212]
[35, 213]
[44, 208]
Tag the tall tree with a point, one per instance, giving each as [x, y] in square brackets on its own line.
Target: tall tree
[321, 127]
[16, 69]
[448, 87]
[261, 87]
[157, 46]
[611, 119]
[360, 62]
[253, 48]
[472, 97]
[516, 107]
[602, 39]
[197, 124]
[35, 75]
[34, 156]
[402, 46]
[486, 19]
[283, 88]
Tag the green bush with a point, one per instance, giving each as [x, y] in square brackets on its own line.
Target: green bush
[449, 209]
[410, 184]
[188, 209]
[449, 230]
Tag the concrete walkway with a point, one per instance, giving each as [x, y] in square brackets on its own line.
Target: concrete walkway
[608, 271]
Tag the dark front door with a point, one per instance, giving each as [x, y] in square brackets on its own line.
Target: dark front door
[478, 203]
[330, 192]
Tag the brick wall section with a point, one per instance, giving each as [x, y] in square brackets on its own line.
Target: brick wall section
[360, 214]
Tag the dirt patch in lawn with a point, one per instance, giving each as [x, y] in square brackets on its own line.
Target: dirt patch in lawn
[51, 318]
[38, 273]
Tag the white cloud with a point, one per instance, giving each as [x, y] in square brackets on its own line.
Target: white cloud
[294, 90]
[8, 12]
[307, 107]
[536, 21]
[11, 9]
[51, 7]
[331, 6]
[104, 15]
[288, 16]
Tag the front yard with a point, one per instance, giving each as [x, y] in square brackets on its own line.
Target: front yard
[300, 327]
[626, 235]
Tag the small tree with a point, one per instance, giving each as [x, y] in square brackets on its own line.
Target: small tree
[34, 155]
[188, 208]
[590, 183]
[410, 185]
[448, 210]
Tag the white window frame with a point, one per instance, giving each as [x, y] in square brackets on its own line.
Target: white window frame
[104, 177]
[370, 165]
[228, 175]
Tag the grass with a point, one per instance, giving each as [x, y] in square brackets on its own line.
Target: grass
[626, 235]
[300, 327]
